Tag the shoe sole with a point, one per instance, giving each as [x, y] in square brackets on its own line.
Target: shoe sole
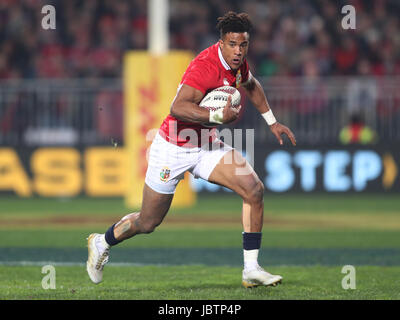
[248, 284]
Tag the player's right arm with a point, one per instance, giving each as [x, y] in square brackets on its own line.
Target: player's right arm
[185, 107]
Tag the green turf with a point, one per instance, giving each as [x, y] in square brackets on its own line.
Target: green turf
[198, 282]
[214, 238]
[224, 204]
[325, 230]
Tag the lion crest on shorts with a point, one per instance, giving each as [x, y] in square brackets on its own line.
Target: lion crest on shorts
[164, 174]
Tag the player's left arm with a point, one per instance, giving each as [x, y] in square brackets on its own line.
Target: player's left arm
[256, 94]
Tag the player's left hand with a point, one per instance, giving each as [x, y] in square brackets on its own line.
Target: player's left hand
[279, 129]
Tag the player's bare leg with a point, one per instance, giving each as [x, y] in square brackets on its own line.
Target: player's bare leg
[235, 173]
[154, 208]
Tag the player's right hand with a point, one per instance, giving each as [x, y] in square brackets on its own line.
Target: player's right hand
[230, 113]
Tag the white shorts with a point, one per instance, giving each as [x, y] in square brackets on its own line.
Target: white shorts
[168, 163]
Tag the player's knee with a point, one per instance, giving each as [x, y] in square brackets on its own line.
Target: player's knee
[259, 191]
[255, 192]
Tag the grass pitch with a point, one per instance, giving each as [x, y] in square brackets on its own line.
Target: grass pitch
[196, 253]
[197, 283]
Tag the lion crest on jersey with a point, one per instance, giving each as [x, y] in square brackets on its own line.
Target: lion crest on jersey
[165, 173]
[238, 79]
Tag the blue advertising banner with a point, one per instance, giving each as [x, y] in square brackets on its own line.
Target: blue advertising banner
[334, 169]
[101, 171]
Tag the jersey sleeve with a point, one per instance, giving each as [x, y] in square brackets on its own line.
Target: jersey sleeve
[199, 76]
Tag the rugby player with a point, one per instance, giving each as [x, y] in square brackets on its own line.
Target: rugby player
[173, 153]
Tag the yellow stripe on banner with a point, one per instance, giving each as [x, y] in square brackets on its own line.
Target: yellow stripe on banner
[150, 85]
[390, 171]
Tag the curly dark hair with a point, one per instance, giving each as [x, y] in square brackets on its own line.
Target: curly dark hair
[234, 22]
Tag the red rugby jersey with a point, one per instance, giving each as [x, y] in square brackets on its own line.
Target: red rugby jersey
[206, 72]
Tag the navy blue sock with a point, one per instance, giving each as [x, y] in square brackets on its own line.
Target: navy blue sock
[109, 236]
[251, 240]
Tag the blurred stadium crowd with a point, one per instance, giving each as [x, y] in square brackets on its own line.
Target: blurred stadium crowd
[294, 45]
[290, 37]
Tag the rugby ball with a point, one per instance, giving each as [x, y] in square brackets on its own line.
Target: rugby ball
[217, 99]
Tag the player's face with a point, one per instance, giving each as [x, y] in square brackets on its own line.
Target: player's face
[234, 48]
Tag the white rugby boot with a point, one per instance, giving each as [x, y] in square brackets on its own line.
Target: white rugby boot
[98, 252]
[259, 277]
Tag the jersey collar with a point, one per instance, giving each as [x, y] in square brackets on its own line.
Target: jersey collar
[221, 58]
